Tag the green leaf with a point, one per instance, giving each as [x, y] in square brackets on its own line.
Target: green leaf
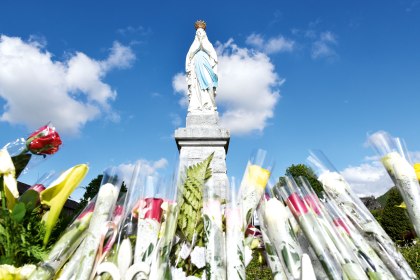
[190, 222]
[30, 199]
[3, 231]
[148, 251]
[19, 212]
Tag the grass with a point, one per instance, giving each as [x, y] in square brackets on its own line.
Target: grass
[412, 256]
[257, 270]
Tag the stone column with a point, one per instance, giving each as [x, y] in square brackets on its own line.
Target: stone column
[201, 137]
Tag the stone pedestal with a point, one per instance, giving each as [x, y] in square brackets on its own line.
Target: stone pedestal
[201, 137]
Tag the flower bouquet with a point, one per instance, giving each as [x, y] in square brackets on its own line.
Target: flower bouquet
[65, 246]
[28, 222]
[188, 253]
[350, 265]
[339, 190]
[235, 255]
[160, 268]
[253, 184]
[323, 246]
[87, 252]
[371, 262]
[148, 212]
[120, 257]
[214, 235]
[283, 256]
[134, 253]
[402, 173]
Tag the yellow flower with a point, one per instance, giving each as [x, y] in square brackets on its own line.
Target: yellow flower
[7, 170]
[257, 176]
[57, 194]
[417, 170]
[7, 272]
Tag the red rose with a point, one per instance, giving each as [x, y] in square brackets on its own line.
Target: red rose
[313, 202]
[297, 203]
[153, 209]
[148, 208]
[44, 141]
[340, 223]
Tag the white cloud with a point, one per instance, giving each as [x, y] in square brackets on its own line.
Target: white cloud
[37, 89]
[272, 45]
[383, 143]
[140, 173]
[369, 178]
[248, 88]
[161, 163]
[179, 84]
[120, 57]
[146, 167]
[323, 46]
[255, 40]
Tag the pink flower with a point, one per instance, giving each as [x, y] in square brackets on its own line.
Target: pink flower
[88, 209]
[340, 223]
[313, 202]
[298, 205]
[37, 187]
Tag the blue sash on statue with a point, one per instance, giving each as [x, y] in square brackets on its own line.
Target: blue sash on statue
[202, 66]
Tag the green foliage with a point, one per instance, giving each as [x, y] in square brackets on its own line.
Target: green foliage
[305, 171]
[412, 256]
[190, 225]
[21, 236]
[190, 221]
[257, 270]
[377, 214]
[394, 220]
[22, 231]
[92, 190]
[383, 198]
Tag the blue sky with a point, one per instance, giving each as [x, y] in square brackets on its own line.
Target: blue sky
[299, 74]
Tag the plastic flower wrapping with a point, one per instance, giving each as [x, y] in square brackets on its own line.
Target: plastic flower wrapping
[146, 226]
[235, 255]
[396, 162]
[277, 229]
[350, 204]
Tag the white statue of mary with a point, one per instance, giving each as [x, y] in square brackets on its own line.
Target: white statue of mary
[201, 68]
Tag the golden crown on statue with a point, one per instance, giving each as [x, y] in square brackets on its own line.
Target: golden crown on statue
[200, 24]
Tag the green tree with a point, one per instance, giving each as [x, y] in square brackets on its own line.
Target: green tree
[394, 219]
[91, 191]
[305, 171]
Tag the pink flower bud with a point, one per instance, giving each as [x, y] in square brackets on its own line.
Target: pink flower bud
[37, 187]
[298, 205]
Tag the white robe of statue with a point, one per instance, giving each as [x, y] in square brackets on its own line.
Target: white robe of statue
[202, 79]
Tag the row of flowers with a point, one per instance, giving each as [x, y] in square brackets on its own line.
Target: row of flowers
[148, 227]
